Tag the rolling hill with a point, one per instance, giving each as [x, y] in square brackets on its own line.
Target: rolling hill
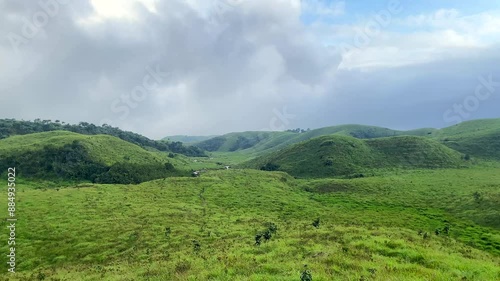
[337, 155]
[72, 156]
[260, 142]
[478, 138]
[12, 127]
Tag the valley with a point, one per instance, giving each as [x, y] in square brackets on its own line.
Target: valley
[355, 204]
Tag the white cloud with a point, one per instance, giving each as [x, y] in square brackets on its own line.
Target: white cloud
[321, 10]
[415, 39]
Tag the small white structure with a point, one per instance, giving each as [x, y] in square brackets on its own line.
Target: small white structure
[227, 167]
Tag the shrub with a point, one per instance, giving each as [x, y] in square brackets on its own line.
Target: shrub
[446, 230]
[270, 167]
[258, 239]
[196, 246]
[316, 223]
[268, 235]
[306, 275]
[272, 227]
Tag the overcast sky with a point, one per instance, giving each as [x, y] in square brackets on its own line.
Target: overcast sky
[202, 67]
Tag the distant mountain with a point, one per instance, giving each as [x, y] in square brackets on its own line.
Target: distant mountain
[337, 155]
[188, 139]
[478, 138]
[259, 142]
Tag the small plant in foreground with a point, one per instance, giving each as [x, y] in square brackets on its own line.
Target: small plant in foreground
[306, 274]
[477, 196]
[316, 223]
[272, 227]
[268, 235]
[196, 246]
[258, 239]
[446, 230]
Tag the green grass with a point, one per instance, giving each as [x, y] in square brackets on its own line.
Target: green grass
[369, 228]
[335, 155]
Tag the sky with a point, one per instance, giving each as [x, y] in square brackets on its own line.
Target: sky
[193, 67]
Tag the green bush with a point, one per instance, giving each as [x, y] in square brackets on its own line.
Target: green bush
[270, 167]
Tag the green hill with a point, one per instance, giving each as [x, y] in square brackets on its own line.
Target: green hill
[12, 127]
[260, 142]
[244, 141]
[337, 155]
[72, 156]
[479, 138]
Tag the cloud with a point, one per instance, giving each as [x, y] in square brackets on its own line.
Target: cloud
[322, 10]
[205, 67]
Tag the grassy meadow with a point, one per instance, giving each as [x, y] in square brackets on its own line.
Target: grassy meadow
[376, 228]
[347, 202]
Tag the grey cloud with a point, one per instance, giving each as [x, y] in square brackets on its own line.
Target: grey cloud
[228, 72]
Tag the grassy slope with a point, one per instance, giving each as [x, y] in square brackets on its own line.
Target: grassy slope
[369, 230]
[480, 138]
[348, 155]
[103, 148]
